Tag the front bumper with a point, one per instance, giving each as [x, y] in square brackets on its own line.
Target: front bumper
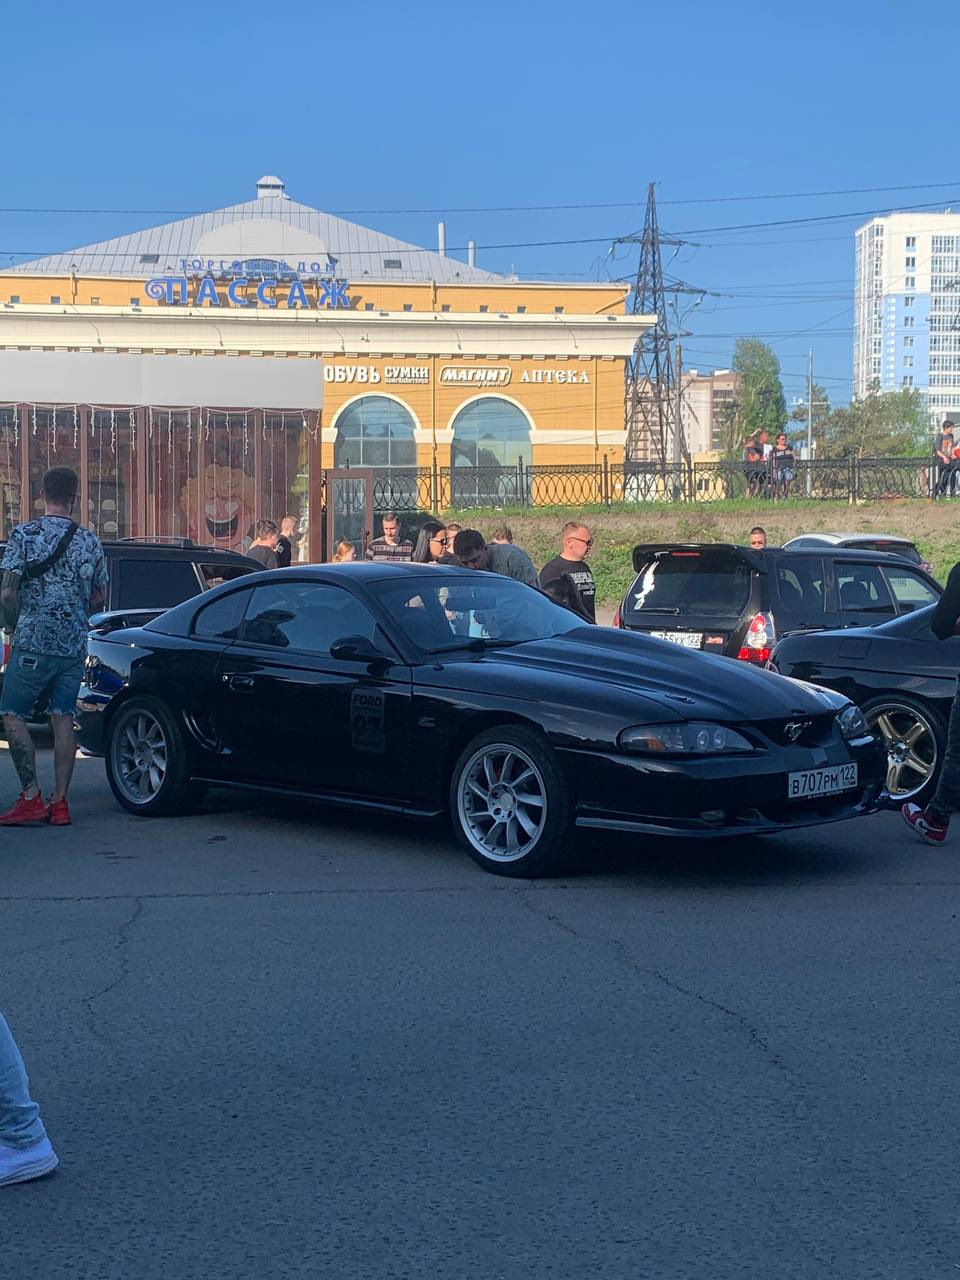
[719, 797]
[89, 719]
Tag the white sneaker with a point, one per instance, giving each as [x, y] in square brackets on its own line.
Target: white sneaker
[23, 1164]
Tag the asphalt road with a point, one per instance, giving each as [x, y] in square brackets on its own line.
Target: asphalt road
[275, 1043]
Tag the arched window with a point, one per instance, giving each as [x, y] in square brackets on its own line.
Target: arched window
[375, 432]
[490, 432]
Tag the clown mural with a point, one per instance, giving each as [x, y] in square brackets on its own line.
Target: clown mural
[225, 512]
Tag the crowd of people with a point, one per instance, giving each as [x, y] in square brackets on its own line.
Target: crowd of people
[567, 578]
[768, 468]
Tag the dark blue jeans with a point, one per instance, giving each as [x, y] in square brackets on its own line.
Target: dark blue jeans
[946, 800]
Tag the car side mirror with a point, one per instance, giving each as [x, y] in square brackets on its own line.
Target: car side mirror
[358, 649]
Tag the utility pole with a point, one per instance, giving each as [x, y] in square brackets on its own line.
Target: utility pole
[678, 437]
[809, 422]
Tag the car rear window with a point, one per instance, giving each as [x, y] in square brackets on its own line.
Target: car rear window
[152, 583]
[905, 549]
[214, 575]
[704, 583]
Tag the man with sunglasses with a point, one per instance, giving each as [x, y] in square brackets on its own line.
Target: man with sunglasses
[572, 560]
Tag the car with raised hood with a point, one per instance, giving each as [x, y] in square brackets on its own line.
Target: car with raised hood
[738, 601]
[903, 679]
[433, 691]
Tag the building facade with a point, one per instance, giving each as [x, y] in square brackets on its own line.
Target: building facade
[706, 402]
[907, 308]
[212, 371]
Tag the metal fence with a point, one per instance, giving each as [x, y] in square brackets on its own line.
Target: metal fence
[631, 483]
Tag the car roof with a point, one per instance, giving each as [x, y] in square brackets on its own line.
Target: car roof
[756, 556]
[854, 537]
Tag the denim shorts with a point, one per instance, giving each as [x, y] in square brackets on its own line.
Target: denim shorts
[40, 681]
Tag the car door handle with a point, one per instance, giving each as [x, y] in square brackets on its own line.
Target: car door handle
[239, 684]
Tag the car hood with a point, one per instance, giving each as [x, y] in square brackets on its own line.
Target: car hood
[591, 661]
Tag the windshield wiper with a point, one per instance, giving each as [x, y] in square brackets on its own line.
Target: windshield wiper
[652, 608]
[475, 644]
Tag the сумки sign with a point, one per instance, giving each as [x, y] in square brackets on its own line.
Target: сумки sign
[267, 292]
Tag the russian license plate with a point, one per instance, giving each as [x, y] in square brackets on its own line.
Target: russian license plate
[821, 782]
[688, 639]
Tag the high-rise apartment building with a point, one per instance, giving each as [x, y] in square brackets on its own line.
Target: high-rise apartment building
[707, 400]
[907, 308]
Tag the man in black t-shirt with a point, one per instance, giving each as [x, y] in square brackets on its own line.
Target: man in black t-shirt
[576, 543]
[287, 541]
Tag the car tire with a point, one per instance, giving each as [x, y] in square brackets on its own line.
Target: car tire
[146, 760]
[510, 804]
[896, 717]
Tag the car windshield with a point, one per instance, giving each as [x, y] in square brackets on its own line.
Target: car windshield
[710, 583]
[440, 612]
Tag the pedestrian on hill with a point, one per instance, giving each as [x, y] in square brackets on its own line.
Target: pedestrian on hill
[474, 552]
[344, 553]
[758, 538]
[287, 542]
[753, 466]
[502, 534]
[783, 460]
[391, 545]
[932, 823]
[946, 461]
[432, 543]
[54, 578]
[264, 544]
[25, 1150]
[576, 543]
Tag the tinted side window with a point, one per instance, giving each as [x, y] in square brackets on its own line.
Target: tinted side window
[151, 583]
[862, 588]
[910, 590]
[220, 620]
[215, 574]
[306, 616]
[800, 585]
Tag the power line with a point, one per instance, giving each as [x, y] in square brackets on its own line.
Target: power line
[523, 208]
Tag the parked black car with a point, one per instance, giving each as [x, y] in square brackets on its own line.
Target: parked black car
[901, 676]
[737, 602]
[433, 690]
[147, 577]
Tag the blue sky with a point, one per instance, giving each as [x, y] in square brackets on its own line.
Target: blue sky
[375, 109]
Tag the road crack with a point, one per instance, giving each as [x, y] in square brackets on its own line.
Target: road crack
[121, 950]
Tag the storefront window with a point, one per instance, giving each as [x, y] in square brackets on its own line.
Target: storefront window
[112, 472]
[54, 442]
[172, 484]
[283, 474]
[11, 493]
[375, 432]
[491, 433]
[227, 503]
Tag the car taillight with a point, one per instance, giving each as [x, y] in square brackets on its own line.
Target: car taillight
[759, 641]
[616, 619]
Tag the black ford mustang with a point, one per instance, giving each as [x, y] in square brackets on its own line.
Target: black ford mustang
[427, 690]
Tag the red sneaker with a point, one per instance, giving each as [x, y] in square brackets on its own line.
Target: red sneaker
[929, 828]
[60, 813]
[26, 813]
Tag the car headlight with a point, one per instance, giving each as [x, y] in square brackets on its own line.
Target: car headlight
[853, 723]
[683, 739]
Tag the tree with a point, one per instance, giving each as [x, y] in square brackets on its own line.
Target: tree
[761, 405]
[821, 415]
[892, 424]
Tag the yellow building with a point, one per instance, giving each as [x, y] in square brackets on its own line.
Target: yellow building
[213, 371]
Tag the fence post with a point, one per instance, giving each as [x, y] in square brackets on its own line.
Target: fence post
[605, 481]
[854, 478]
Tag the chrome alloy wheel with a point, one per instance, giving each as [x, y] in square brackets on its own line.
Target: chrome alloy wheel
[502, 802]
[139, 757]
[911, 746]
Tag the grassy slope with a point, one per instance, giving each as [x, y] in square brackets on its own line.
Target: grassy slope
[933, 526]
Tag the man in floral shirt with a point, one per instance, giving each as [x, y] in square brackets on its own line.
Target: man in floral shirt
[54, 577]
